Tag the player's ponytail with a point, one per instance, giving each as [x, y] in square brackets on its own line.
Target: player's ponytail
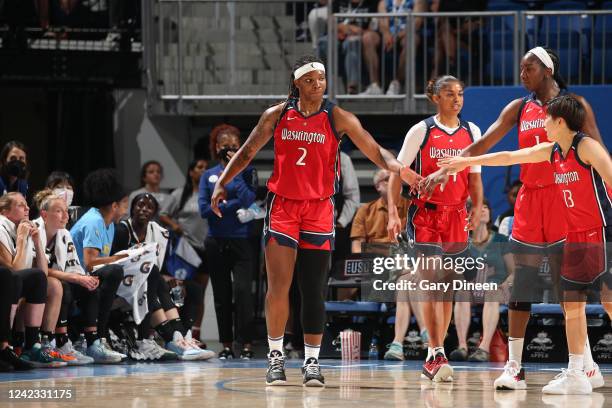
[556, 64]
[435, 85]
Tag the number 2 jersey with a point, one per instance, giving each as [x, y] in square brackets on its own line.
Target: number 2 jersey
[306, 154]
[587, 198]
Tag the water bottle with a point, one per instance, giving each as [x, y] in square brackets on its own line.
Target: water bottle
[373, 351]
[81, 344]
[44, 344]
[178, 295]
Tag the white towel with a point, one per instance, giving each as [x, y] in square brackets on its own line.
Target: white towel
[66, 257]
[8, 238]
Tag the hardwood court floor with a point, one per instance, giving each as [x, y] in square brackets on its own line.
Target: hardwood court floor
[241, 384]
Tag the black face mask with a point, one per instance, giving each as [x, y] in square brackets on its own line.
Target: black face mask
[223, 153]
[16, 168]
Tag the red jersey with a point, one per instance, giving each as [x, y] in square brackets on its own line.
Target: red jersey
[306, 154]
[530, 133]
[438, 144]
[588, 201]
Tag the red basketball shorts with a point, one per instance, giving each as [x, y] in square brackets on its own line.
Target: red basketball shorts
[436, 229]
[586, 258]
[539, 219]
[305, 224]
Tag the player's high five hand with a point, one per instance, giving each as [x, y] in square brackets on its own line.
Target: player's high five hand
[428, 184]
[410, 177]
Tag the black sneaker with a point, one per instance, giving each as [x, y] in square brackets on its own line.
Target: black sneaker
[247, 354]
[312, 373]
[226, 354]
[8, 356]
[276, 369]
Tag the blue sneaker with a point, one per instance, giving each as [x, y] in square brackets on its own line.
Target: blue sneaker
[183, 349]
[395, 352]
[102, 354]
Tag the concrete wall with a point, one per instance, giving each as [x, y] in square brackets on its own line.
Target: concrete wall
[139, 138]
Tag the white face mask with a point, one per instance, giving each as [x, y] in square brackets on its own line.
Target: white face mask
[65, 193]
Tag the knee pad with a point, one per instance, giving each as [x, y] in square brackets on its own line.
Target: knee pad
[17, 287]
[34, 285]
[520, 306]
[312, 270]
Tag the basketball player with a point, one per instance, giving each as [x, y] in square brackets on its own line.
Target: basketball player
[299, 223]
[439, 224]
[580, 165]
[535, 231]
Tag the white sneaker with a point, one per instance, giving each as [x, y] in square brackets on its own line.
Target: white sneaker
[372, 89]
[569, 382]
[108, 347]
[394, 88]
[513, 377]
[182, 348]
[69, 350]
[204, 354]
[149, 350]
[595, 377]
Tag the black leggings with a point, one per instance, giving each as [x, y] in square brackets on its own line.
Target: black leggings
[6, 297]
[88, 301]
[30, 284]
[110, 279]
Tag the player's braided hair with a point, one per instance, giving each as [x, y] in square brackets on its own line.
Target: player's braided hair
[294, 93]
[557, 75]
[435, 85]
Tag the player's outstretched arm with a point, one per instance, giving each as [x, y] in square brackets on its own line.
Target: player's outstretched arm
[535, 154]
[394, 189]
[597, 156]
[347, 123]
[257, 139]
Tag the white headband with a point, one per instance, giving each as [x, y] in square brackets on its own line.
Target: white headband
[304, 69]
[544, 57]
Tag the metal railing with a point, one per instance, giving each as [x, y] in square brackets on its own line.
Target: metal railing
[224, 52]
[210, 50]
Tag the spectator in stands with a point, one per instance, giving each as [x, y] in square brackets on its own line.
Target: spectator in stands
[13, 168]
[20, 247]
[151, 175]
[44, 9]
[391, 32]
[317, 22]
[350, 33]
[451, 29]
[370, 223]
[184, 219]
[499, 269]
[93, 237]
[228, 251]
[163, 314]
[511, 195]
